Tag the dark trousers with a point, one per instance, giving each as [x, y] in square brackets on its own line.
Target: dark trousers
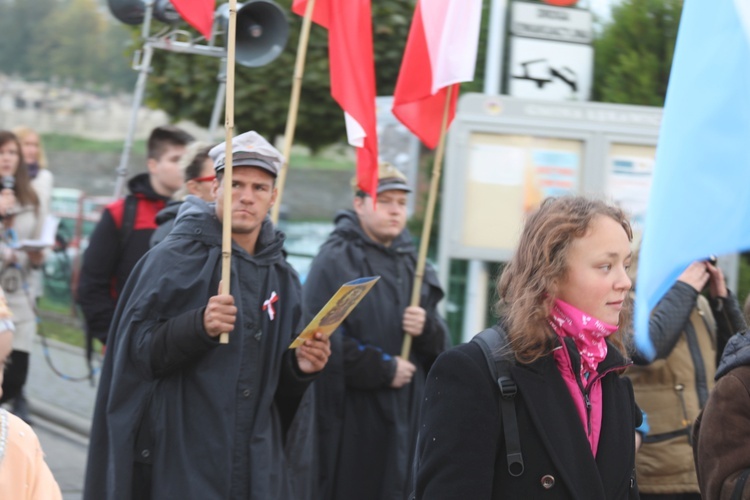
[15, 375]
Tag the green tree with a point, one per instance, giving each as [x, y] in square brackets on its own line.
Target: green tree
[73, 40]
[633, 53]
[19, 23]
[68, 43]
[185, 86]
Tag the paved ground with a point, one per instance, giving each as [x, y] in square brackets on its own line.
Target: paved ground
[74, 398]
[62, 410]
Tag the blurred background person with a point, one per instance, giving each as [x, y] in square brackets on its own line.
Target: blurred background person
[689, 333]
[42, 181]
[199, 175]
[123, 233]
[199, 172]
[35, 158]
[19, 209]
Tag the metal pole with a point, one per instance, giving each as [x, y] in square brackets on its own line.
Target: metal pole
[218, 103]
[144, 67]
[477, 276]
[147, 15]
[140, 86]
[493, 68]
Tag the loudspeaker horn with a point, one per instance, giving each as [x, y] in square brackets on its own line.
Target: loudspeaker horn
[262, 31]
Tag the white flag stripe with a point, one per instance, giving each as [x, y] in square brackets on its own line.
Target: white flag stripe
[452, 34]
[743, 12]
[355, 133]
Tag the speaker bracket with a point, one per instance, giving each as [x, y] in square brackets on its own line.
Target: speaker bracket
[183, 42]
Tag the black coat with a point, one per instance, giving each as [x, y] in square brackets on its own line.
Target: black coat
[109, 258]
[165, 220]
[460, 451]
[367, 430]
[206, 420]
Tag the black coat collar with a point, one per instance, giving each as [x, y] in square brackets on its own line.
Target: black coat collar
[556, 420]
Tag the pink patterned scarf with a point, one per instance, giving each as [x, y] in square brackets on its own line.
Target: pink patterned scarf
[588, 333]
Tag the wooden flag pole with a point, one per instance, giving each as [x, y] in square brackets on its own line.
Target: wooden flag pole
[291, 119]
[226, 229]
[428, 216]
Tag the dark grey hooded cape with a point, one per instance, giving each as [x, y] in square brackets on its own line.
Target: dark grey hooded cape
[204, 420]
[367, 430]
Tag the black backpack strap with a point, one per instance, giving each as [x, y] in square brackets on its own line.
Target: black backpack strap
[128, 219]
[493, 342]
[126, 229]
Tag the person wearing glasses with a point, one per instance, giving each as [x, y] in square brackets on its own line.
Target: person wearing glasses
[198, 169]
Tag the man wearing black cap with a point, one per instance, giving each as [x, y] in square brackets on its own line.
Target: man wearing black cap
[368, 396]
[179, 415]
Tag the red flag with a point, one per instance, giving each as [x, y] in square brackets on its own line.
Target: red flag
[321, 13]
[350, 50]
[440, 52]
[197, 13]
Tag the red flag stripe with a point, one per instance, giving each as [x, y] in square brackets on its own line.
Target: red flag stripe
[197, 13]
[413, 102]
[320, 14]
[352, 67]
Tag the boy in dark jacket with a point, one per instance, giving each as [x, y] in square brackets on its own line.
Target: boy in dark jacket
[123, 233]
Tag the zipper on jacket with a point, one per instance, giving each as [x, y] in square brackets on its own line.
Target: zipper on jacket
[585, 392]
[588, 412]
[699, 366]
[575, 363]
[680, 390]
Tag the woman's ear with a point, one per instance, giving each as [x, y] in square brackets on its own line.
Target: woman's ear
[553, 289]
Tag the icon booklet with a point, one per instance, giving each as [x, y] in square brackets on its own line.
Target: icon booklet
[337, 309]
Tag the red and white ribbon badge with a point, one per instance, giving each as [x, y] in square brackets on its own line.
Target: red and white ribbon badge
[268, 305]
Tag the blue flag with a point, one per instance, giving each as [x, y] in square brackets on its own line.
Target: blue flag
[700, 196]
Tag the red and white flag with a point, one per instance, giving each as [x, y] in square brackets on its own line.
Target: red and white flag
[352, 62]
[441, 51]
[197, 13]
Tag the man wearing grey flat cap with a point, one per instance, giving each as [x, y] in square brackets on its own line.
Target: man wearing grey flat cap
[367, 397]
[179, 415]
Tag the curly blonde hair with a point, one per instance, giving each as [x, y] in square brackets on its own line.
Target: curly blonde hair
[527, 284]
